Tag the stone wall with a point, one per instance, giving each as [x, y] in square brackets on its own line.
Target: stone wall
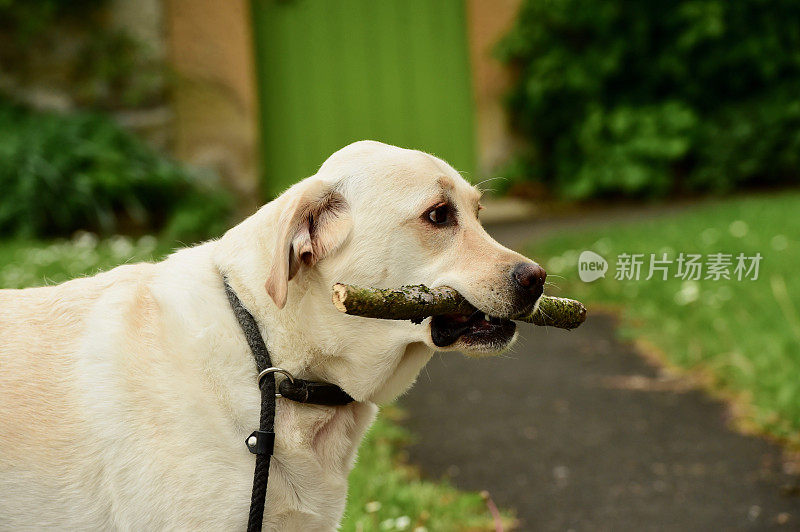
[210, 51]
[489, 20]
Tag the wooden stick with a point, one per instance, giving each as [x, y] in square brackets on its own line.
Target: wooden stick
[417, 302]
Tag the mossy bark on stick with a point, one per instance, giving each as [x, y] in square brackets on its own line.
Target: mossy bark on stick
[417, 302]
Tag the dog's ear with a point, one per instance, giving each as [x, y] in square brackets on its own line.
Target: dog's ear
[315, 223]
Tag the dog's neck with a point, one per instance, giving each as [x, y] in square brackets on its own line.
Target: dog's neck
[299, 336]
[242, 256]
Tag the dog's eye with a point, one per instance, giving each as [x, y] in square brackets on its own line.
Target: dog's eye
[438, 214]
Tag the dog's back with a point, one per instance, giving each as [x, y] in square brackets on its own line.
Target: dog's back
[104, 382]
[41, 406]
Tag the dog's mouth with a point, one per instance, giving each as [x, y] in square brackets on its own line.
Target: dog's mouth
[474, 330]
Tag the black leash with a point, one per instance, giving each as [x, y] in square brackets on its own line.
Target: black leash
[262, 441]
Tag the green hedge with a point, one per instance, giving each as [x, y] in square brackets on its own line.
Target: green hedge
[651, 98]
[60, 173]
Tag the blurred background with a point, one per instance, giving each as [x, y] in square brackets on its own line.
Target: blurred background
[130, 128]
[563, 99]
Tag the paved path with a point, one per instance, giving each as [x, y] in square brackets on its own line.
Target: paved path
[576, 432]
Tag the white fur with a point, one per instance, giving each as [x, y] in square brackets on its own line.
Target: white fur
[125, 398]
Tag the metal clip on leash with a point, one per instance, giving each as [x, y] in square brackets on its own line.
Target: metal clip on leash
[263, 442]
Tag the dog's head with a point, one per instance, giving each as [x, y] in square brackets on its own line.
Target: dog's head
[378, 215]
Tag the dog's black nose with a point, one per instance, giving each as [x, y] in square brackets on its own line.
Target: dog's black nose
[529, 278]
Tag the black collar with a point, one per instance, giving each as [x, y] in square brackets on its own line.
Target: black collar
[262, 441]
[293, 388]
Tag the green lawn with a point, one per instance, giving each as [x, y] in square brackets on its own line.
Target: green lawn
[741, 337]
[385, 493]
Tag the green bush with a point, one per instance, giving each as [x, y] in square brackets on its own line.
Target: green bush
[72, 48]
[25, 20]
[60, 173]
[651, 98]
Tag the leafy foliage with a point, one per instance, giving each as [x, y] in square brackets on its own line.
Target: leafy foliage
[28, 19]
[71, 47]
[61, 173]
[648, 98]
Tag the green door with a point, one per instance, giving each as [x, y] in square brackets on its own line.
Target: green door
[335, 71]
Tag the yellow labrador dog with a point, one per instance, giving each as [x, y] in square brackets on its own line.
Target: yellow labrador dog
[125, 398]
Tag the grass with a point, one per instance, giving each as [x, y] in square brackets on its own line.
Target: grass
[385, 493]
[26, 263]
[388, 494]
[741, 337]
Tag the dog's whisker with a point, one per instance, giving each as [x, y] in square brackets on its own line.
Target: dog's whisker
[490, 179]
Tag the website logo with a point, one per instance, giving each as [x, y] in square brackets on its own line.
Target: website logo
[591, 266]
